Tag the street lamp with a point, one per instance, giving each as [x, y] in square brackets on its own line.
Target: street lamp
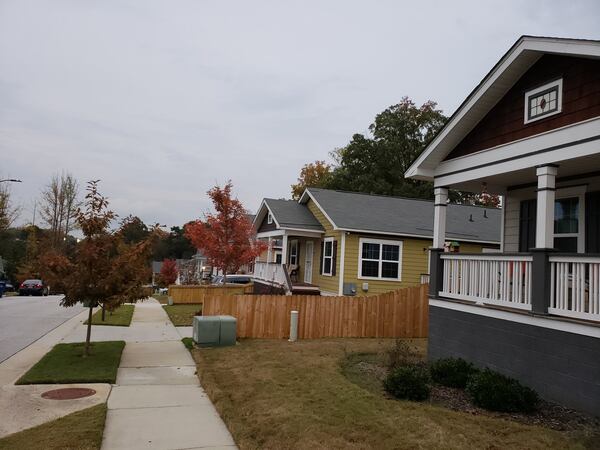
[10, 180]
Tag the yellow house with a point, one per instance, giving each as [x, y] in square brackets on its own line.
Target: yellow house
[345, 243]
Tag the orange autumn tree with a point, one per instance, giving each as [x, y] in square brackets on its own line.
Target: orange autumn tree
[226, 237]
[104, 269]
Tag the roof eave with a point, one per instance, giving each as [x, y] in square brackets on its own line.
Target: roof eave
[420, 168]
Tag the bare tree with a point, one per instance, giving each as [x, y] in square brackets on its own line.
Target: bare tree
[58, 206]
[8, 212]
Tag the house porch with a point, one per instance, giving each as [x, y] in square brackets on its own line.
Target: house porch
[289, 264]
[533, 310]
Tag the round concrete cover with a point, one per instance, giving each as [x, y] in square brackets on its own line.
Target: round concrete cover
[68, 393]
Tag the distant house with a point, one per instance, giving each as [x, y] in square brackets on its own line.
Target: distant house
[189, 271]
[343, 243]
[530, 131]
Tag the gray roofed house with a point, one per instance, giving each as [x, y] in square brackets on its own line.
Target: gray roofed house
[288, 214]
[334, 242]
[354, 211]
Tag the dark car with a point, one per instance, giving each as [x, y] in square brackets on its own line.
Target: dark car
[33, 287]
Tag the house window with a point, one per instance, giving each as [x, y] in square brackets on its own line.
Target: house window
[328, 257]
[566, 224]
[293, 253]
[380, 259]
[269, 218]
[543, 101]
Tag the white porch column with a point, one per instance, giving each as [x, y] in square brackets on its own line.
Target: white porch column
[284, 249]
[269, 250]
[546, 193]
[439, 216]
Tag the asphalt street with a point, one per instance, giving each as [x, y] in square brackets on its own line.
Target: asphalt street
[24, 320]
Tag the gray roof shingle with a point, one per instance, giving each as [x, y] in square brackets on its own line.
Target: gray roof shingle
[376, 213]
[291, 214]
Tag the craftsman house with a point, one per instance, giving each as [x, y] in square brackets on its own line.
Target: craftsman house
[344, 243]
[530, 132]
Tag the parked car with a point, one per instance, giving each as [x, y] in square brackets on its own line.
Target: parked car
[233, 279]
[33, 287]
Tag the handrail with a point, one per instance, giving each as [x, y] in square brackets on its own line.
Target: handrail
[487, 256]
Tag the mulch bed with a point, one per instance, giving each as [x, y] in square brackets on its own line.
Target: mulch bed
[548, 415]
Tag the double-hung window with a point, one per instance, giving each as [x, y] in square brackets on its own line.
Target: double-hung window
[293, 253]
[327, 257]
[380, 259]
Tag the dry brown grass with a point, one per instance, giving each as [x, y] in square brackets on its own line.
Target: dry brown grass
[277, 395]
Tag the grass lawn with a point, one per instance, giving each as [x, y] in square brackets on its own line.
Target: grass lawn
[65, 364]
[279, 395]
[162, 298]
[120, 317]
[80, 430]
[182, 315]
[188, 342]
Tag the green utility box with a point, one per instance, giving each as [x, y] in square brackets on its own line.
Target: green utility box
[214, 331]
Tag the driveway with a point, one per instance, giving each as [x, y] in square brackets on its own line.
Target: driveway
[24, 320]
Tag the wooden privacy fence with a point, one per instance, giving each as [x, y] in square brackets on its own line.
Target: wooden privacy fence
[402, 314]
[199, 293]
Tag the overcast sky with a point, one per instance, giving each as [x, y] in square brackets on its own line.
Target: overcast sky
[163, 99]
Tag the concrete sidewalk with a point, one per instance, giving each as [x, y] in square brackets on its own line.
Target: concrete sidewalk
[22, 406]
[157, 402]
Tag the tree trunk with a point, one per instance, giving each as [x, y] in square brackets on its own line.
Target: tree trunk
[89, 331]
[103, 312]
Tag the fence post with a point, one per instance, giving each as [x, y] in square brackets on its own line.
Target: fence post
[293, 326]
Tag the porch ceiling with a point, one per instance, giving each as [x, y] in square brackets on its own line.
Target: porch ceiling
[569, 171]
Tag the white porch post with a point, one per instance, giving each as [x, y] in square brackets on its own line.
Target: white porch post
[436, 268]
[439, 217]
[546, 193]
[544, 239]
[269, 250]
[284, 249]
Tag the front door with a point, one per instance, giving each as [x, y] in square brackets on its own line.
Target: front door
[308, 262]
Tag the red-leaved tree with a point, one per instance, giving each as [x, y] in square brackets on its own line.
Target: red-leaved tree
[226, 237]
[168, 272]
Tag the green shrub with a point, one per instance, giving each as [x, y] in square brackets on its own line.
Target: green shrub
[452, 372]
[409, 382]
[494, 391]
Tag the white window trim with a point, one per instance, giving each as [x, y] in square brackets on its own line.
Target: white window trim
[269, 218]
[362, 241]
[293, 252]
[330, 274]
[574, 192]
[556, 83]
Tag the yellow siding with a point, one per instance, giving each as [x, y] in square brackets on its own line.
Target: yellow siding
[414, 262]
[327, 284]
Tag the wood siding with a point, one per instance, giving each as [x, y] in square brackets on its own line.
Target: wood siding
[505, 122]
[266, 226]
[414, 262]
[328, 284]
[399, 314]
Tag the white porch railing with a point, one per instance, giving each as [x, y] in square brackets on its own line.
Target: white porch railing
[488, 279]
[575, 286]
[271, 272]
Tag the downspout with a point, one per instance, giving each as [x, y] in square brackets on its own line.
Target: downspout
[342, 264]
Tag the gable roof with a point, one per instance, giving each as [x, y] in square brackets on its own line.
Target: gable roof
[515, 62]
[288, 214]
[353, 211]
